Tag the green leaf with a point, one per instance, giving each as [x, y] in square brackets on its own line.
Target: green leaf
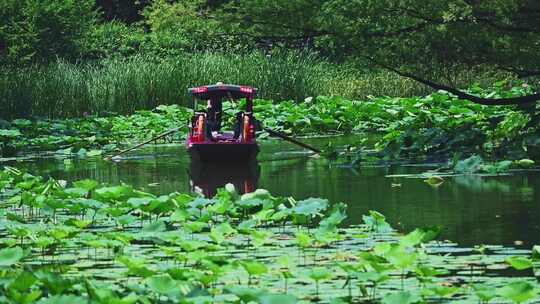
[536, 253]
[372, 276]
[136, 266]
[525, 163]
[23, 282]
[246, 294]
[63, 299]
[472, 164]
[518, 292]
[10, 256]
[54, 282]
[519, 262]
[434, 181]
[246, 226]
[400, 297]
[9, 133]
[179, 216]
[254, 268]
[320, 274]
[400, 258]
[428, 272]
[444, 291]
[484, 292]
[250, 203]
[259, 238]
[114, 193]
[66, 151]
[162, 284]
[82, 152]
[304, 240]
[24, 297]
[93, 153]
[157, 226]
[412, 239]
[430, 233]
[377, 222]
[81, 224]
[195, 226]
[277, 299]
[87, 184]
[310, 206]
[76, 192]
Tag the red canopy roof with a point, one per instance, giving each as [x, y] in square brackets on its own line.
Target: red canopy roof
[223, 90]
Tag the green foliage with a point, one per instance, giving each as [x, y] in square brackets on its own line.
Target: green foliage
[63, 89]
[518, 292]
[10, 256]
[519, 263]
[401, 297]
[476, 164]
[88, 137]
[165, 284]
[114, 39]
[36, 30]
[185, 26]
[376, 221]
[411, 33]
[176, 258]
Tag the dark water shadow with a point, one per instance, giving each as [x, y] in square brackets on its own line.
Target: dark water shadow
[207, 178]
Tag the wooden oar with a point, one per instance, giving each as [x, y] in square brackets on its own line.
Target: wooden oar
[142, 144]
[283, 136]
[290, 139]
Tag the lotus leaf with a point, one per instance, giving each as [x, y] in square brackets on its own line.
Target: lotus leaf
[518, 292]
[10, 256]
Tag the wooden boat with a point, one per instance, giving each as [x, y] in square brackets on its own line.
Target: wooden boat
[206, 141]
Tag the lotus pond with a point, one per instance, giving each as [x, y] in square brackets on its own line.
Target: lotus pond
[141, 231]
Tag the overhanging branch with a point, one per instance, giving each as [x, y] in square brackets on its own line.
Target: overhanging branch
[484, 101]
[522, 73]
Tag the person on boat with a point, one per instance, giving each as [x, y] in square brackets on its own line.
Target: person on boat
[214, 112]
[238, 125]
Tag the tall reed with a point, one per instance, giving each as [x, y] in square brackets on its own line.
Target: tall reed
[125, 85]
[63, 89]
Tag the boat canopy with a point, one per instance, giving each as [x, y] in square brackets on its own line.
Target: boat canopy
[219, 91]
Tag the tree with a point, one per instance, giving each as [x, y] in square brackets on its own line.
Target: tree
[38, 30]
[128, 11]
[409, 37]
[190, 25]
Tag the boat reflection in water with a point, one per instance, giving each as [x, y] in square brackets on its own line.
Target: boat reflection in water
[207, 178]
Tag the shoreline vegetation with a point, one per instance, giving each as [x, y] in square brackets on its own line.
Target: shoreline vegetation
[61, 89]
[437, 126]
[75, 241]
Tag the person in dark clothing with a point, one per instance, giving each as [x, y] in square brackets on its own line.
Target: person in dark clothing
[238, 125]
[214, 113]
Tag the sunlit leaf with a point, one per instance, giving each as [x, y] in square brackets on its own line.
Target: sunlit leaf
[254, 268]
[518, 292]
[400, 297]
[519, 263]
[484, 292]
[320, 274]
[10, 256]
[246, 294]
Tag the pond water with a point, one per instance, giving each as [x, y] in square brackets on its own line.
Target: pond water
[471, 209]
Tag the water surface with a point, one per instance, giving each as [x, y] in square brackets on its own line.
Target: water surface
[471, 209]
